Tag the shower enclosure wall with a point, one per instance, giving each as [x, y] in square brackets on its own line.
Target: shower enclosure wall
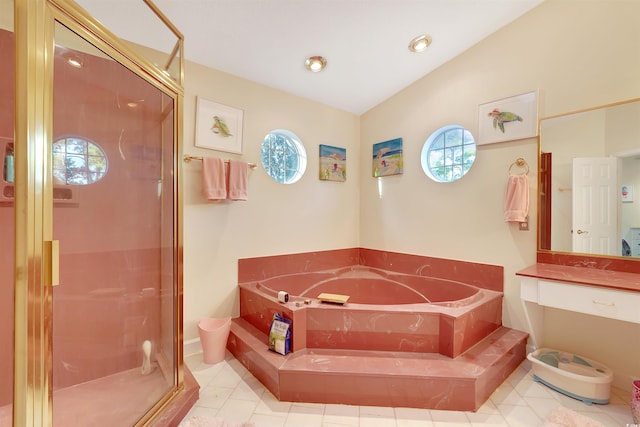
[7, 214]
[90, 219]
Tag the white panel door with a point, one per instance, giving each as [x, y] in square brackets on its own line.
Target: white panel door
[596, 206]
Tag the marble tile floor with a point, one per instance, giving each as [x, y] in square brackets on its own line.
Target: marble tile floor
[229, 391]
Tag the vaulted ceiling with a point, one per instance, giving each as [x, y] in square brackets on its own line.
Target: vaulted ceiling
[365, 42]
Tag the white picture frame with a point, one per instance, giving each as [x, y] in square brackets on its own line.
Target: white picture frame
[218, 126]
[508, 119]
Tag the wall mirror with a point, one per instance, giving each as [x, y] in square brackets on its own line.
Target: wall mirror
[589, 189]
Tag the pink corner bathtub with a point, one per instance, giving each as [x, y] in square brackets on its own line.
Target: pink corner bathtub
[386, 311]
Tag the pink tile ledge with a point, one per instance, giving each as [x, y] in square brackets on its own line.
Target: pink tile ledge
[584, 276]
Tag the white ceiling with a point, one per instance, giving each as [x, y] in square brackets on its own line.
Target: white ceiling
[364, 41]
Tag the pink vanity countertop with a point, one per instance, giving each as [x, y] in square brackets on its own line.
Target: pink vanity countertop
[584, 276]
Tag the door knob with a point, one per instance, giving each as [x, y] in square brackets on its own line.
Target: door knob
[581, 232]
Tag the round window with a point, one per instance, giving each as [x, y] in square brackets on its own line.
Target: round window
[283, 156]
[448, 154]
[78, 161]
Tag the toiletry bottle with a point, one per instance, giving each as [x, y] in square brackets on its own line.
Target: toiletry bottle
[8, 167]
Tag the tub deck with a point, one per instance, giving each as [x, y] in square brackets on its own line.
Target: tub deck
[386, 311]
[388, 349]
[381, 378]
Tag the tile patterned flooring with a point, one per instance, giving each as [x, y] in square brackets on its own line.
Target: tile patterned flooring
[230, 392]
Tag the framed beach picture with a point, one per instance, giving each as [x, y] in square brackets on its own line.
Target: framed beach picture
[508, 119]
[388, 158]
[218, 126]
[333, 163]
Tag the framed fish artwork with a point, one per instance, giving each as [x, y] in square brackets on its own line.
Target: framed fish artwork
[218, 126]
[508, 119]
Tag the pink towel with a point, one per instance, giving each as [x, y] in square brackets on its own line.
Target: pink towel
[214, 186]
[516, 200]
[237, 183]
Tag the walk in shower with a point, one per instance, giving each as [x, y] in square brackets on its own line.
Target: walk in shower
[89, 136]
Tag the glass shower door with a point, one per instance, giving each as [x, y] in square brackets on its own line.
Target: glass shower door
[7, 210]
[114, 316]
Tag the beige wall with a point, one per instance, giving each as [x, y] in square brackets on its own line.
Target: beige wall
[577, 54]
[306, 216]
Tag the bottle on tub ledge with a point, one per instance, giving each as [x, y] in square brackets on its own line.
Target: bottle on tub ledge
[146, 358]
[9, 173]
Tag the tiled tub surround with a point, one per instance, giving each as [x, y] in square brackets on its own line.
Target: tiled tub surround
[395, 350]
[386, 311]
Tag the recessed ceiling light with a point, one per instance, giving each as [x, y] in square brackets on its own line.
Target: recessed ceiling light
[315, 63]
[420, 43]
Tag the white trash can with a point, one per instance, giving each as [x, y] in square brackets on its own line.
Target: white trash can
[213, 337]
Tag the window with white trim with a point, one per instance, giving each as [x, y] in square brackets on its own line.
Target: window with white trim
[78, 161]
[448, 153]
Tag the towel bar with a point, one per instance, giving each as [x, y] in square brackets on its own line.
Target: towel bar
[521, 163]
[188, 158]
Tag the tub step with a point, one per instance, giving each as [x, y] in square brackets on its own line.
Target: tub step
[381, 378]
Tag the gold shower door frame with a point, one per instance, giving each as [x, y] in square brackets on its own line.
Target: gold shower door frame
[35, 251]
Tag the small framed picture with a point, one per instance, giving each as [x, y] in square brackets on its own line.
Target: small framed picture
[508, 119]
[387, 158]
[333, 163]
[626, 193]
[218, 126]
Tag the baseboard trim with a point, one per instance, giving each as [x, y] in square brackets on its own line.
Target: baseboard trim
[193, 346]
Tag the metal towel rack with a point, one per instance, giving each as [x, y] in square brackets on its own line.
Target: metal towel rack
[521, 163]
[188, 158]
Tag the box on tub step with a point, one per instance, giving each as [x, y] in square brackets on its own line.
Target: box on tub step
[573, 375]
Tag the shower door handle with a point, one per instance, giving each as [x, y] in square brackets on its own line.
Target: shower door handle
[52, 262]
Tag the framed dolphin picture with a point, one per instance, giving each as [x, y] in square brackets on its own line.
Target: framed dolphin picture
[508, 119]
